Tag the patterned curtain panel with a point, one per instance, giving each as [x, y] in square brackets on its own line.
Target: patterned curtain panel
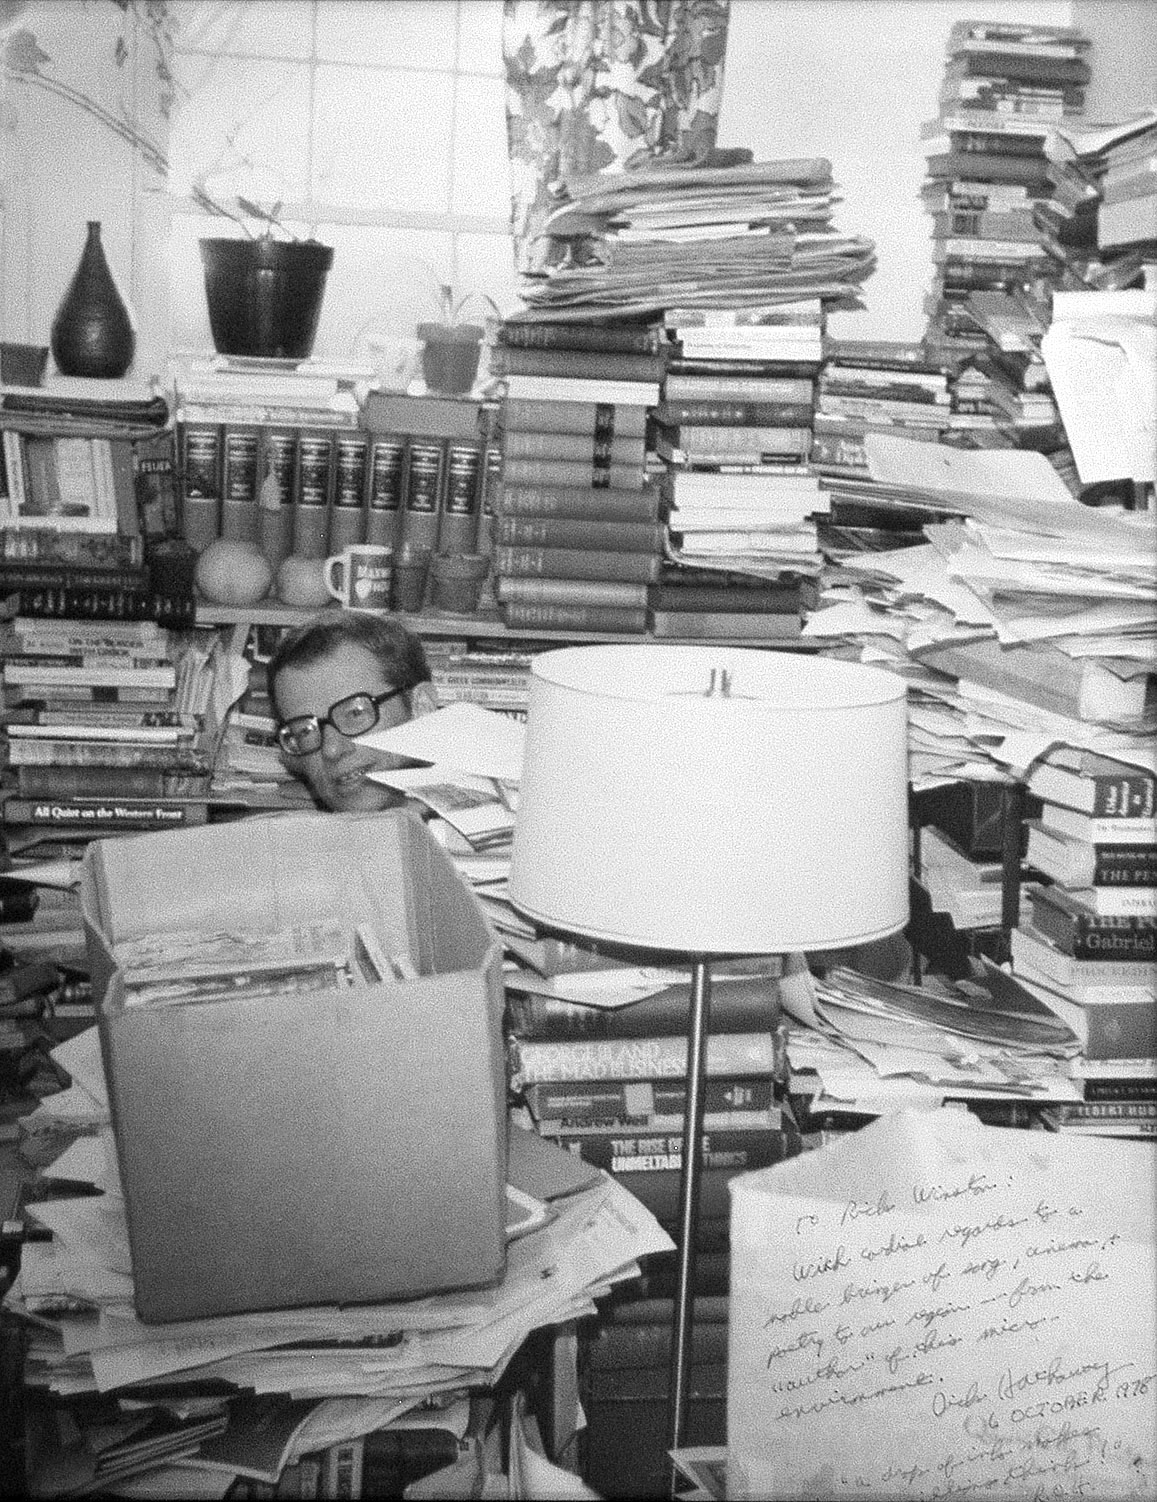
[597, 84]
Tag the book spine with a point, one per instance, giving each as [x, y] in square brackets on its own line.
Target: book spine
[1105, 796]
[617, 338]
[592, 1100]
[1067, 971]
[102, 603]
[102, 813]
[1092, 938]
[554, 617]
[239, 482]
[1120, 902]
[594, 364]
[200, 460]
[277, 468]
[576, 472]
[276, 414]
[604, 420]
[760, 625]
[313, 492]
[347, 521]
[573, 532]
[630, 1153]
[387, 463]
[491, 492]
[730, 443]
[67, 752]
[728, 598]
[736, 414]
[735, 388]
[613, 593]
[536, 1061]
[1141, 1088]
[45, 547]
[575, 563]
[154, 471]
[462, 496]
[584, 448]
[56, 783]
[603, 504]
[69, 576]
[422, 493]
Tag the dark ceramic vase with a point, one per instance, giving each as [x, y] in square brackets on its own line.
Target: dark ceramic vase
[92, 333]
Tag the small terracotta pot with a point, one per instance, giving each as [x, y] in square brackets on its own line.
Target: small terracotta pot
[450, 355]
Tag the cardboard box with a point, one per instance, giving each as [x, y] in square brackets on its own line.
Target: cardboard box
[340, 1147]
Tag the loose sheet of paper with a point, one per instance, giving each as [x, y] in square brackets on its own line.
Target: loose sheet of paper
[464, 736]
[936, 1308]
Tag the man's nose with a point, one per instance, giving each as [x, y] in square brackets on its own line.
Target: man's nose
[333, 743]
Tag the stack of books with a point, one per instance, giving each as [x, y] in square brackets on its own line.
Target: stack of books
[1006, 86]
[734, 432]
[270, 452]
[607, 1080]
[493, 674]
[106, 726]
[87, 493]
[875, 385]
[577, 531]
[1089, 950]
[714, 603]
[1127, 211]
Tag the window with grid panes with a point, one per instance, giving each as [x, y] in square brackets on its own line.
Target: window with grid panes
[378, 125]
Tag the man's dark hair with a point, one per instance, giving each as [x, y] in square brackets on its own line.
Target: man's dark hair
[400, 653]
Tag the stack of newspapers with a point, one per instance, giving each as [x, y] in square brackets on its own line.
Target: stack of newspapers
[638, 241]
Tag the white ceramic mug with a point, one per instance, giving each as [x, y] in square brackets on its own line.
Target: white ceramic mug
[360, 576]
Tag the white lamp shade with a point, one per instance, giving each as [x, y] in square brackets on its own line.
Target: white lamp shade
[769, 818]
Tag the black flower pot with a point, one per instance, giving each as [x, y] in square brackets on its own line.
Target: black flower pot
[265, 295]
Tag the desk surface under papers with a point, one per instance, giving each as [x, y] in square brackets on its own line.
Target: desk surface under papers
[404, 1352]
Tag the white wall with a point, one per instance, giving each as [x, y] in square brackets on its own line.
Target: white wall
[853, 80]
[59, 168]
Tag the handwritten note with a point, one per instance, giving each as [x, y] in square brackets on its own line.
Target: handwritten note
[933, 1308]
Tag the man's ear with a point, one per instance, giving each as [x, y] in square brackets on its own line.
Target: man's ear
[423, 699]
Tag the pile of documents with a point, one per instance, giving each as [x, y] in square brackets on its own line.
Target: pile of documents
[1057, 590]
[880, 1046]
[643, 240]
[358, 1366]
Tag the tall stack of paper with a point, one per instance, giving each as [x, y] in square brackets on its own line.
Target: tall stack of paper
[662, 235]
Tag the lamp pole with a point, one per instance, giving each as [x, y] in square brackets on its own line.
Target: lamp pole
[688, 1206]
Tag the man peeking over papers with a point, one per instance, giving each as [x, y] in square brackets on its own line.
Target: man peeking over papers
[333, 679]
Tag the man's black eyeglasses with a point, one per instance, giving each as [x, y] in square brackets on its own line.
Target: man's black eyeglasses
[353, 715]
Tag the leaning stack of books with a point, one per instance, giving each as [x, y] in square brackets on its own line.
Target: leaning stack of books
[270, 452]
[1006, 86]
[106, 728]
[577, 532]
[1090, 949]
[875, 386]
